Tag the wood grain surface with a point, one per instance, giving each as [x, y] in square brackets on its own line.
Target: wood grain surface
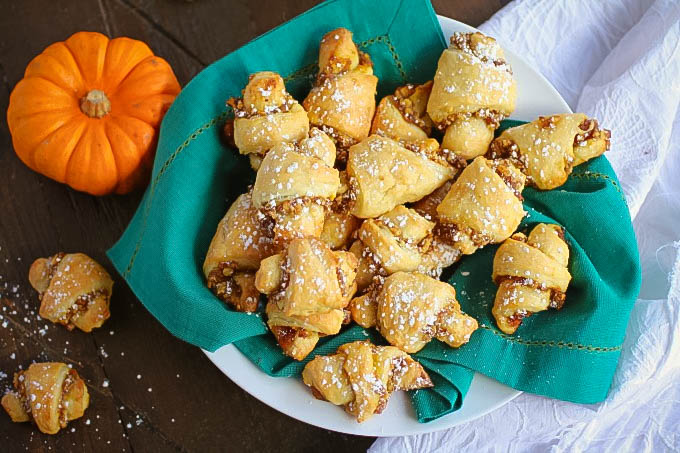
[149, 391]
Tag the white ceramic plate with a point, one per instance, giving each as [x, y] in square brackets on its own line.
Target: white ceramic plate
[291, 397]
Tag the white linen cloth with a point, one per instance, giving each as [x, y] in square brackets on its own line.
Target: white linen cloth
[619, 61]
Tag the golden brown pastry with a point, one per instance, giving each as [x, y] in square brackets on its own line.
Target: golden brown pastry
[342, 101]
[51, 394]
[411, 308]
[340, 224]
[483, 206]
[338, 228]
[473, 91]
[308, 286]
[294, 186]
[402, 116]
[548, 148]
[74, 290]
[531, 274]
[235, 252]
[266, 116]
[395, 241]
[384, 174]
[362, 376]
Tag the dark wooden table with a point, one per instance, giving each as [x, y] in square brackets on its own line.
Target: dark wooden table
[149, 391]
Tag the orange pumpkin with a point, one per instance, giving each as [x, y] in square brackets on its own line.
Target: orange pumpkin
[88, 109]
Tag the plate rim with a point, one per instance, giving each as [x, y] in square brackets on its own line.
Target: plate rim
[422, 428]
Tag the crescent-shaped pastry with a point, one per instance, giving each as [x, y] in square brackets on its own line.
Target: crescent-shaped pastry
[74, 290]
[473, 91]
[483, 206]
[308, 287]
[531, 274]
[548, 148]
[294, 186]
[340, 224]
[51, 394]
[393, 242]
[410, 309]
[265, 116]
[235, 252]
[384, 174]
[342, 101]
[362, 377]
[402, 116]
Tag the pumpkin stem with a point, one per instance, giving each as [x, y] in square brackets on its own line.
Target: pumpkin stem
[95, 104]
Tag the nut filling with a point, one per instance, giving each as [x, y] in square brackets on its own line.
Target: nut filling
[491, 117]
[80, 305]
[65, 390]
[401, 102]
[341, 66]
[592, 131]
[221, 283]
[452, 234]
[342, 142]
[249, 111]
[505, 171]
[286, 335]
[440, 156]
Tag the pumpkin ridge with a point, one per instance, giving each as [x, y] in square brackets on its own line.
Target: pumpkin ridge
[102, 126]
[73, 152]
[52, 61]
[165, 92]
[39, 112]
[122, 81]
[84, 167]
[119, 118]
[126, 113]
[31, 152]
[114, 121]
[99, 68]
[111, 46]
[32, 81]
[27, 117]
[59, 51]
[146, 154]
[77, 63]
[68, 92]
[168, 78]
[111, 124]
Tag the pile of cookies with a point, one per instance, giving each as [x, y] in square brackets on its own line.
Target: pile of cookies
[356, 209]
